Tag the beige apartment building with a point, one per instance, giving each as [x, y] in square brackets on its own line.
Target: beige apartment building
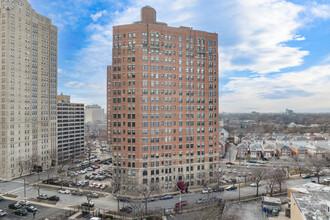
[28, 90]
[70, 129]
[162, 105]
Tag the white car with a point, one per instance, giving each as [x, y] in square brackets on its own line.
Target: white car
[327, 180]
[2, 213]
[234, 171]
[205, 191]
[255, 184]
[64, 191]
[96, 218]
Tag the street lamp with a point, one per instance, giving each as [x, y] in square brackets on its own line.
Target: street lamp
[24, 188]
[180, 197]
[239, 193]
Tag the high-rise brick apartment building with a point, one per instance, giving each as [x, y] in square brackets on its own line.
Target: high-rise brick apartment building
[28, 87]
[162, 104]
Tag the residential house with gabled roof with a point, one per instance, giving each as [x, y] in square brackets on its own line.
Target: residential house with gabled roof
[270, 140]
[286, 141]
[300, 141]
[283, 151]
[247, 141]
[301, 151]
[316, 151]
[256, 151]
[258, 140]
[319, 141]
[242, 151]
[222, 148]
[269, 151]
[223, 134]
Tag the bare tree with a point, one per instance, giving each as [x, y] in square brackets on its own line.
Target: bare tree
[22, 166]
[219, 176]
[280, 177]
[299, 165]
[258, 174]
[145, 191]
[317, 165]
[271, 182]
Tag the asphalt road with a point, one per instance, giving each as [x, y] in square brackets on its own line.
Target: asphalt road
[110, 203]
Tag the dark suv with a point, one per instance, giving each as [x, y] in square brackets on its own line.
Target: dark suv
[167, 196]
[21, 212]
[14, 206]
[53, 198]
[126, 209]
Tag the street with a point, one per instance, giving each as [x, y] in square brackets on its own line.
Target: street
[110, 203]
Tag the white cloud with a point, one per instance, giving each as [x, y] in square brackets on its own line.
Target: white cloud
[321, 11]
[99, 14]
[304, 90]
[74, 84]
[253, 36]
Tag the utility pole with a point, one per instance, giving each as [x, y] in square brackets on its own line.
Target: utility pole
[180, 198]
[239, 193]
[24, 188]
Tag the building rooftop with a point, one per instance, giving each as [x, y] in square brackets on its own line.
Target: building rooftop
[313, 206]
[308, 187]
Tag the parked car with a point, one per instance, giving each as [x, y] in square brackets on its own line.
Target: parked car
[205, 191]
[2, 213]
[77, 193]
[86, 204]
[230, 163]
[167, 196]
[95, 218]
[201, 200]
[89, 169]
[216, 198]
[124, 199]
[64, 191]
[23, 203]
[42, 196]
[219, 189]
[327, 180]
[70, 167]
[306, 176]
[53, 198]
[255, 184]
[93, 195]
[14, 206]
[31, 209]
[229, 188]
[126, 209]
[21, 212]
[183, 203]
[151, 199]
[234, 171]
[1, 199]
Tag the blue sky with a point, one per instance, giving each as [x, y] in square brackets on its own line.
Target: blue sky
[274, 54]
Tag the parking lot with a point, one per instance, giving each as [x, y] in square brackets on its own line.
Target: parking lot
[42, 213]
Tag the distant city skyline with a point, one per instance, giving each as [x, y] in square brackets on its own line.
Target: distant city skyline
[274, 54]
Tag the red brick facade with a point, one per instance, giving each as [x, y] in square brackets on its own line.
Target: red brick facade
[163, 103]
